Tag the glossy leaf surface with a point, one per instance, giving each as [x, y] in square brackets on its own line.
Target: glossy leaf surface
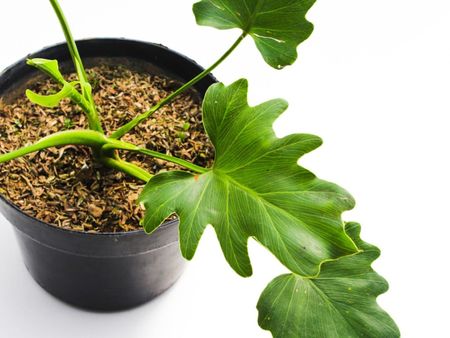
[277, 26]
[255, 189]
[340, 302]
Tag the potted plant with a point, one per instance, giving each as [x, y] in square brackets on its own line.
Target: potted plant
[246, 184]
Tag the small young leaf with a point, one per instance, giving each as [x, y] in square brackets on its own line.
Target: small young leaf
[186, 126]
[339, 302]
[50, 101]
[68, 123]
[182, 136]
[277, 26]
[255, 189]
[50, 67]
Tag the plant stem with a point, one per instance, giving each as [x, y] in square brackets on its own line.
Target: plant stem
[70, 41]
[100, 145]
[133, 123]
[128, 168]
[116, 144]
[90, 138]
[94, 121]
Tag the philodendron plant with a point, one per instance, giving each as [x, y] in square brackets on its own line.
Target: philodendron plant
[255, 189]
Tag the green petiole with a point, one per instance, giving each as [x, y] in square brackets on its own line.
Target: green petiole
[128, 168]
[119, 145]
[94, 121]
[133, 123]
[100, 143]
[75, 137]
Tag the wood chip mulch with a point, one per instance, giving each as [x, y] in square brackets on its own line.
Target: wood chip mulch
[64, 187]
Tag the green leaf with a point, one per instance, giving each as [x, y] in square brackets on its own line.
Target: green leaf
[50, 67]
[277, 26]
[255, 189]
[339, 302]
[50, 101]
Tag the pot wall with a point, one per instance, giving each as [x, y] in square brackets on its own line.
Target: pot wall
[105, 271]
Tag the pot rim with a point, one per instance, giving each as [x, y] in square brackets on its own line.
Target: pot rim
[84, 233]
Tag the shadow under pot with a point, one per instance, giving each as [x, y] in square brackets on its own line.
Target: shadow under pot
[101, 271]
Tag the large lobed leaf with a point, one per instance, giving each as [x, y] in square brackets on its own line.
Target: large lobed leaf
[255, 189]
[277, 26]
[339, 302]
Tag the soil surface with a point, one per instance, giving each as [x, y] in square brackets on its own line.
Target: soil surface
[64, 186]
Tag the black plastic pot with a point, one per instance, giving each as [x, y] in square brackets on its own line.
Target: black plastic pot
[104, 271]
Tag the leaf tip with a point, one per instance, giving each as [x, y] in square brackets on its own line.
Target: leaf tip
[284, 104]
[244, 272]
[241, 83]
[187, 252]
[149, 227]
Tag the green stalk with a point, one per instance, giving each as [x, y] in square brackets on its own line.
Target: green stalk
[94, 121]
[90, 138]
[70, 41]
[100, 144]
[119, 145]
[133, 123]
[128, 168]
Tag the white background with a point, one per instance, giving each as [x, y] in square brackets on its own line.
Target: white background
[373, 81]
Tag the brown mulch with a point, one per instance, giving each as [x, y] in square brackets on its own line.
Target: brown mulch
[64, 186]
